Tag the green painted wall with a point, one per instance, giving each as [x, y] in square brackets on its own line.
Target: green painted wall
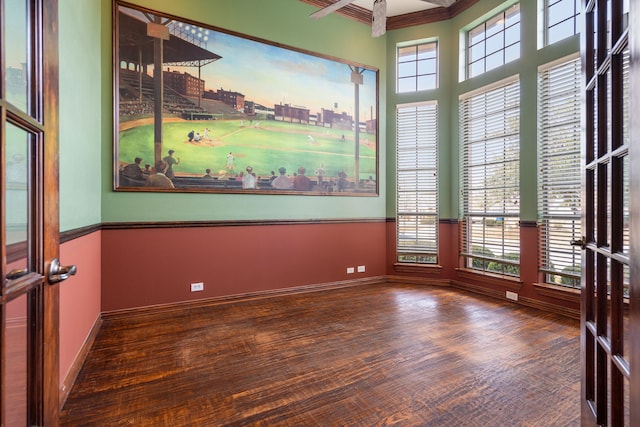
[285, 22]
[81, 121]
[86, 134]
[448, 34]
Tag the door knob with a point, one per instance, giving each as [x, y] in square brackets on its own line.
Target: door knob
[58, 273]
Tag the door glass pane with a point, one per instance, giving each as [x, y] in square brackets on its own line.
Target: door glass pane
[626, 204]
[604, 264]
[595, 211]
[626, 318]
[17, 66]
[15, 355]
[17, 202]
[627, 403]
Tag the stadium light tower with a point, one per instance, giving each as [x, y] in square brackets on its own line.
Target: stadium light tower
[357, 80]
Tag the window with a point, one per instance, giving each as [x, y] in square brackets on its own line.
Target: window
[417, 67]
[495, 42]
[417, 183]
[490, 177]
[561, 19]
[559, 178]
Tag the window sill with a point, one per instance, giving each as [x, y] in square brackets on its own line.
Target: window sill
[511, 283]
[417, 268]
[558, 292]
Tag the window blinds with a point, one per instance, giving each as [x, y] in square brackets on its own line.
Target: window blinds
[559, 176]
[417, 183]
[490, 178]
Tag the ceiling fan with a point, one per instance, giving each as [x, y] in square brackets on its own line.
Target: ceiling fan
[378, 13]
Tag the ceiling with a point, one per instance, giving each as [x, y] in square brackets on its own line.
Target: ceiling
[400, 13]
[397, 7]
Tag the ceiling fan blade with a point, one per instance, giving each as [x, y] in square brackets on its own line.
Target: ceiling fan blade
[379, 18]
[443, 3]
[331, 8]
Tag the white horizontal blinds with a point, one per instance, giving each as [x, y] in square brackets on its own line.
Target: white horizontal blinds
[559, 177]
[490, 178]
[417, 183]
[626, 125]
[626, 164]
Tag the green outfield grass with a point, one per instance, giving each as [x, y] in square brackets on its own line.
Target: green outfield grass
[264, 145]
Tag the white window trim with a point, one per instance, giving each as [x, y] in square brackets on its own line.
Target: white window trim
[415, 43]
[507, 217]
[425, 233]
[552, 273]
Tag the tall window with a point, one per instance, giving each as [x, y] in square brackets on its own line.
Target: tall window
[561, 19]
[417, 67]
[559, 196]
[495, 42]
[417, 183]
[490, 197]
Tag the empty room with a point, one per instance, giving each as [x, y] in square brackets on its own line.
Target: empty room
[319, 212]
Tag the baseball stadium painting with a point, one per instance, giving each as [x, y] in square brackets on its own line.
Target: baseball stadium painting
[200, 109]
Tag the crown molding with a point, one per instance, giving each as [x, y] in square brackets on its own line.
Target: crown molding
[427, 16]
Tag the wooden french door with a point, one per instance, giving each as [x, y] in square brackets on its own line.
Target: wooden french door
[29, 213]
[609, 390]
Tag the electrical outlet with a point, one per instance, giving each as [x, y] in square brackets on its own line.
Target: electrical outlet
[512, 296]
[197, 287]
[361, 269]
[350, 270]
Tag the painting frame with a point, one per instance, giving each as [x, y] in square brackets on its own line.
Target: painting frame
[281, 120]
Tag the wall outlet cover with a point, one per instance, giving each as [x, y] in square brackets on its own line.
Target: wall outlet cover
[512, 296]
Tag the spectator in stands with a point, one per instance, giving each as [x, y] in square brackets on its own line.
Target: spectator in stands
[272, 177]
[342, 181]
[159, 179]
[371, 183]
[301, 182]
[320, 175]
[222, 175]
[331, 186]
[191, 135]
[171, 162]
[249, 180]
[207, 174]
[282, 182]
[147, 170]
[132, 170]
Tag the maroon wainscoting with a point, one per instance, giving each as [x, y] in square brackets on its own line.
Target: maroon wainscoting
[79, 297]
[447, 253]
[530, 291]
[146, 266]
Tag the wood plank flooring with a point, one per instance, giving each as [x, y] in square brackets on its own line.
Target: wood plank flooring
[374, 355]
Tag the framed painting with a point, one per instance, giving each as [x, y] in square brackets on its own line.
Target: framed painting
[202, 109]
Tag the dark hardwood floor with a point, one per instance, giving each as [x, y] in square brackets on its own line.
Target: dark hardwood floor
[375, 355]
